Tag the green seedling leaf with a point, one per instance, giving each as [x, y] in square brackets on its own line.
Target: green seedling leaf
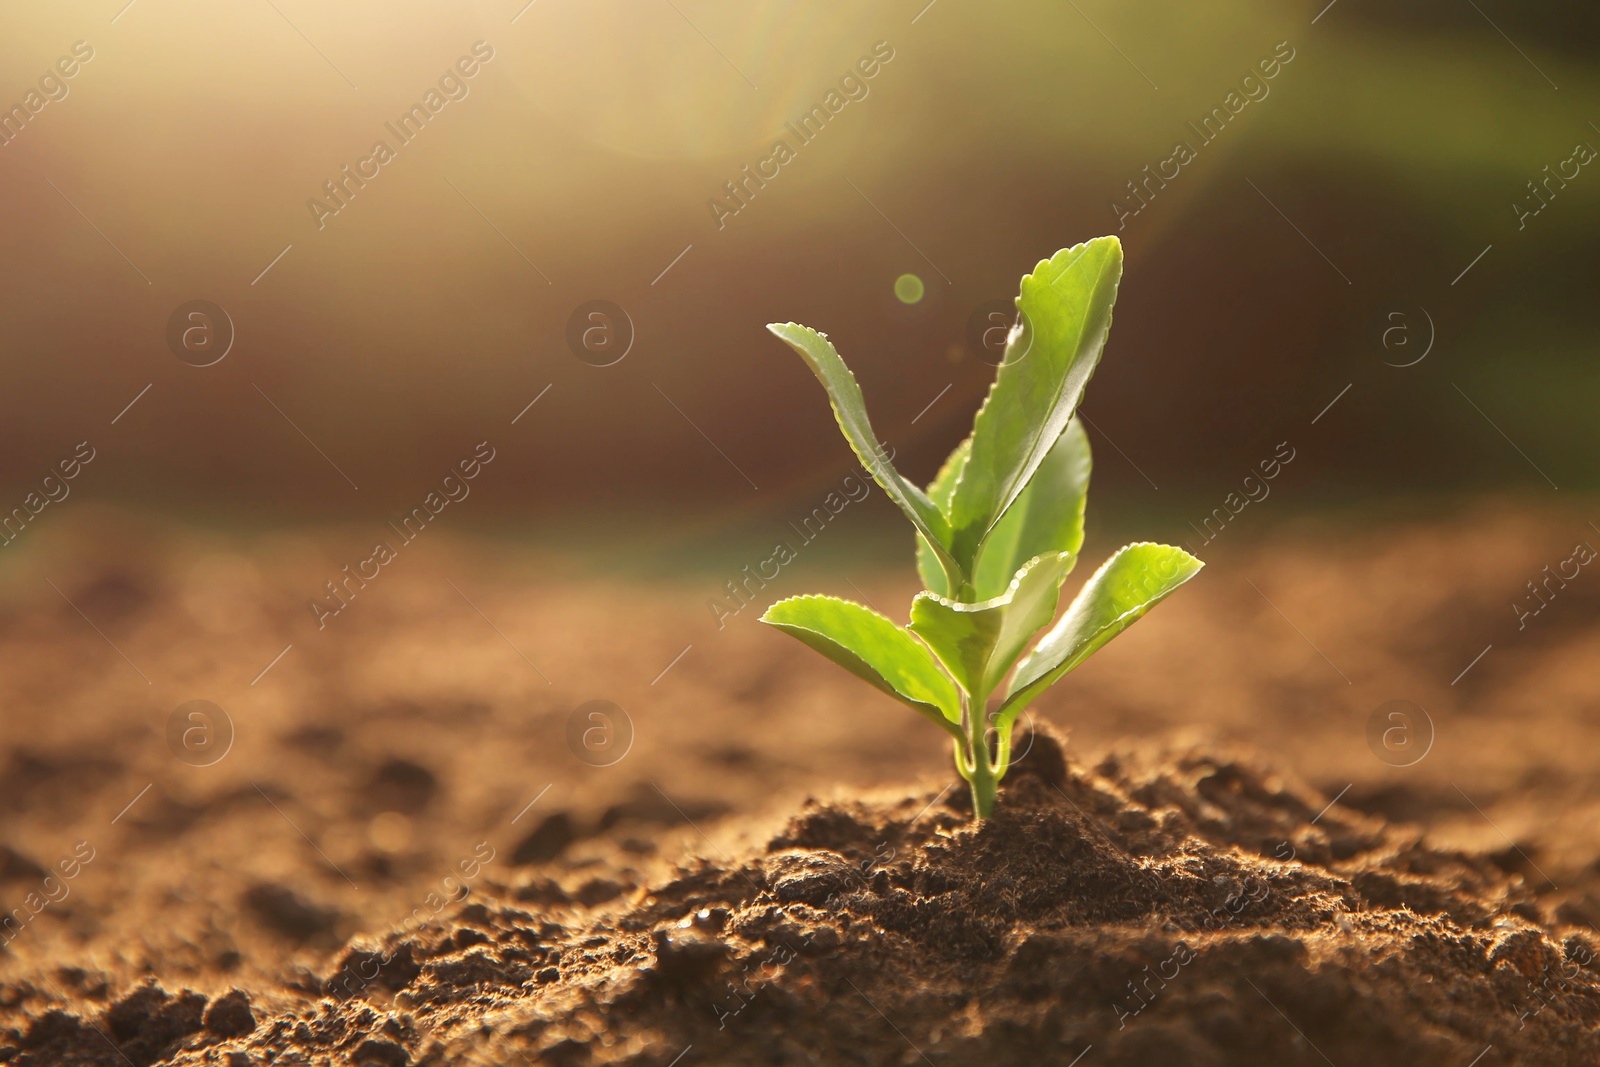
[1126, 586]
[1046, 517]
[978, 643]
[850, 409]
[940, 490]
[1066, 315]
[871, 647]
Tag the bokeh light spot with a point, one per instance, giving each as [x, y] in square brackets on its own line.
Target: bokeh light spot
[909, 288]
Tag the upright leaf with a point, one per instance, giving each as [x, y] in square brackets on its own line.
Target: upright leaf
[939, 492]
[978, 643]
[850, 409]
[1046, 517]
[871, 647]
[1066, 315]
[1126, 586]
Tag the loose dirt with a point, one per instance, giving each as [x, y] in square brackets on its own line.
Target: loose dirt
[402, 857]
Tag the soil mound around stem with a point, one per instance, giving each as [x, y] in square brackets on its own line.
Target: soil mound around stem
[1184, 907]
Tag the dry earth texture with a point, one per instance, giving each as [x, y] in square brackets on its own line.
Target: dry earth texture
[412, 852]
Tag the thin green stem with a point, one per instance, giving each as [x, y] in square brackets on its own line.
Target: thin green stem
[984, 783]
[963, 766]
[955, 579]
[1002, 759]
[983, 777]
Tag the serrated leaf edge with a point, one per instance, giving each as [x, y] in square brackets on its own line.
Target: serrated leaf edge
[1090, 581]
[993, 602]
[1021, 285]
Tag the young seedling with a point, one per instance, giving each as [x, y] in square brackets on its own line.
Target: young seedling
[997, 531]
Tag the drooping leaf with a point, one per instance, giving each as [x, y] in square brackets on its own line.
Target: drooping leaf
[939, 492]
[1066, 315]
[1046, 517]
[850, 409]
[1126, 586]
[871, 647]
[978, 643]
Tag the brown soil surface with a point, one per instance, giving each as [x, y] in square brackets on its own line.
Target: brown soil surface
[775, 871]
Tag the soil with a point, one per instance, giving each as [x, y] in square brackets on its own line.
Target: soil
[413, 851]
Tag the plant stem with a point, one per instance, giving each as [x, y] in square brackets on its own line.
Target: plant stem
[984, 781]
[983, 778]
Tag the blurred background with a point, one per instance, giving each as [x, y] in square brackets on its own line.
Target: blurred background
[273, 270]
[1317, 240]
